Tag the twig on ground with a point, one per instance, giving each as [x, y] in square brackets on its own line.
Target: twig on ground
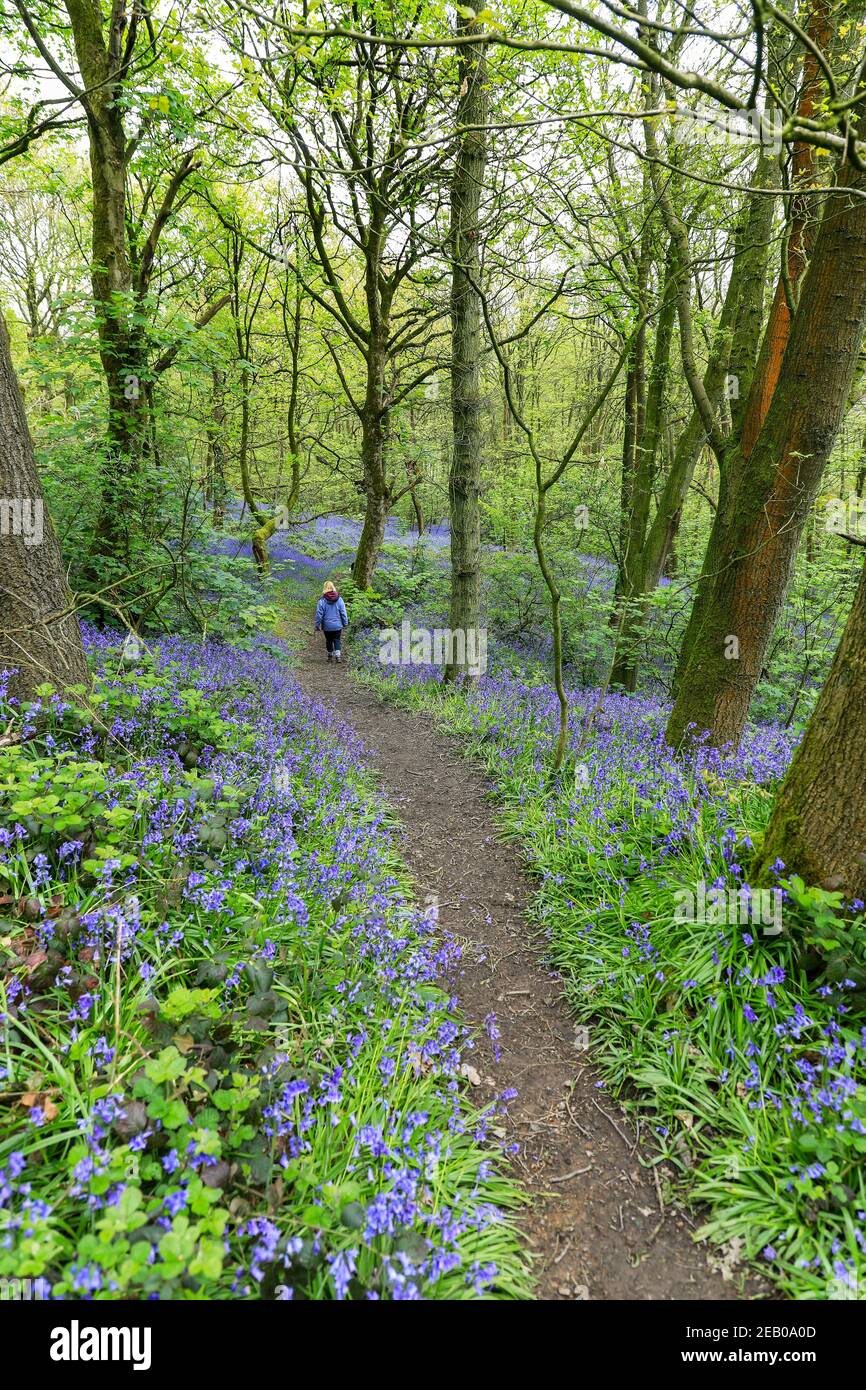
[611, 1121]
[659, 1191]
[575, 1173]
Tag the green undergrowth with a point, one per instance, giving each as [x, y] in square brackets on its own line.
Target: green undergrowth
[228, 1062]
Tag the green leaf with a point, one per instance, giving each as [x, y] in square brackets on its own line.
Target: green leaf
[167, 1066]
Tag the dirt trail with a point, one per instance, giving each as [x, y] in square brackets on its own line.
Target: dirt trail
[598, 1227]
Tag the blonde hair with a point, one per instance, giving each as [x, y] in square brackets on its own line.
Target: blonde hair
[329, 588]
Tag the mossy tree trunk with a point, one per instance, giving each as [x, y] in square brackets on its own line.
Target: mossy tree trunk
[818, 825]
[734, 345]
[122, 255]
[216, 482]
[374, 428]
[771, 469]
[756, 530]
[464, 480]
[121, 345]
[635, 384]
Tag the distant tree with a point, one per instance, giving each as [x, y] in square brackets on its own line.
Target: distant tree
[354, 114]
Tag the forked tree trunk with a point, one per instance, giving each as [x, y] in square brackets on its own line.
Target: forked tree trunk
[264, 523]
[755, 536]
[733, 349]
[464, 481]
[35, 637]
[818, 824]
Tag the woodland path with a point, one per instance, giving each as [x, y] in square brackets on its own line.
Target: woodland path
[598, 1226]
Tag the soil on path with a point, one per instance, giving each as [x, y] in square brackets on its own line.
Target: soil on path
[599, 1226]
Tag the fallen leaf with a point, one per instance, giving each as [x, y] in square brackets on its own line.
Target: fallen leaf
[34, 960]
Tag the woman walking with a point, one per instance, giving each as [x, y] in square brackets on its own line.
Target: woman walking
[332, 619]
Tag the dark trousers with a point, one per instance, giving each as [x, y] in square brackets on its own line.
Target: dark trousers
[332, 641]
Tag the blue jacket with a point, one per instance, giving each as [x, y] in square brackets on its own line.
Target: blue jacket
[331, 614]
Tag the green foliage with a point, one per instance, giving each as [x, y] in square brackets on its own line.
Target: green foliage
[832, 944]
[157, 1095]
[404, 579]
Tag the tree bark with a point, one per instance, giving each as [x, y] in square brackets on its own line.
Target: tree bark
[374, 428]
[818, 824]
[39, 634]
[378, 501]
[734, 345]
[756, 533]
[635, 415]
[464, 481]
[798, 244]
[648, 434]
[121, 347]
[215, 482]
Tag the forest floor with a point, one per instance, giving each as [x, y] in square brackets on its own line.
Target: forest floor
[599, 1225]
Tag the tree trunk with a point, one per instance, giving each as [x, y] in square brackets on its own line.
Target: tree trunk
[800, 237]
[625, 666]
[633, 422]
[818, 824]
[734, 345]
[373, 435]
[122, 349]
[649, 543]
[264, 524]
[733, 359]
[293, 337]
[375, 512]
[626, 485]
[43, 645]
[464, 481]
[216, 485]
[755, 535]
[419, 513]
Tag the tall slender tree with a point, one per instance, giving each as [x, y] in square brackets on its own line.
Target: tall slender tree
[464, 479]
